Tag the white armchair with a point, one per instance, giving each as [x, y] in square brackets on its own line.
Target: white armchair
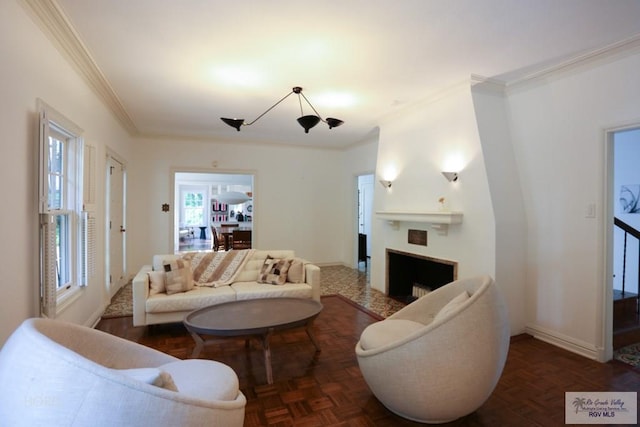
[54, 373]
[440, 357]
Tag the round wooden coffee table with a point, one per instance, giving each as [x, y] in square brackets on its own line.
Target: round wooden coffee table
[259, 317]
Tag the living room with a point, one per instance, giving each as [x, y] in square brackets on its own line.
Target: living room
[531, 156]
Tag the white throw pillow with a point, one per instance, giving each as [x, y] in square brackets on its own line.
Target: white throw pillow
[153, 376]
[178, 276]
[452, 305]
[156, 282]
[387, 331]
[295, 274]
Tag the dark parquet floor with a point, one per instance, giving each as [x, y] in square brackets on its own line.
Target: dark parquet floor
[327, 389]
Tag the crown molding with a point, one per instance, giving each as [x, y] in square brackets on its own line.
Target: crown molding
[49, 17]
[488, 85]
[621, 47]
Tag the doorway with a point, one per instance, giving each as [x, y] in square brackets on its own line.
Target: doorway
[624, 221]
[365, 214]
[198, 200]
[116, 226]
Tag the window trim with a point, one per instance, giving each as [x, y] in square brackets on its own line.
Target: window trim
[54, 124]
[203, 208]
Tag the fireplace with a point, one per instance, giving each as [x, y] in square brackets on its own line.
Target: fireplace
[410, 276]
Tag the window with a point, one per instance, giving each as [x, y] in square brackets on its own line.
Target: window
[62, 221]
[193, 209]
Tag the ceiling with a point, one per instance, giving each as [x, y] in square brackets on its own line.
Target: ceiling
[176, 67]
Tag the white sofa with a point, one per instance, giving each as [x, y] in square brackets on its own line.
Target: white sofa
[54, 373]
[151, 309]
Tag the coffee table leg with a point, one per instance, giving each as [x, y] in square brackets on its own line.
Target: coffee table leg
[199, 345]
[311, 336]
[267, 355]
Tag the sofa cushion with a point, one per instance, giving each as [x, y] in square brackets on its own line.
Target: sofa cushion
[253, 265]
[387, 331]
[178, 276]
[193, 378]
[196, 298]
[274, 271]
[255, 290]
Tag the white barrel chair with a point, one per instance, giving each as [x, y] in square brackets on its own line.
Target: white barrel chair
[440, 357]
[54, 373]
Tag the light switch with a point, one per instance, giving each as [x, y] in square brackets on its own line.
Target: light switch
[590, 211]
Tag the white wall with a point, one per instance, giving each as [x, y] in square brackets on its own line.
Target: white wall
[506, 197]
[558, 126]
[31, 69]
[300, 196]
[357, 160]
[532, 165]
[415, 147]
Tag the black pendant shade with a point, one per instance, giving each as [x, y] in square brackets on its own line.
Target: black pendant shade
[234, 123]
[306, 121]
[333, 123]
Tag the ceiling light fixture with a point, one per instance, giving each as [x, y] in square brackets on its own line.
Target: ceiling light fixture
[307, 122]
[233, 197]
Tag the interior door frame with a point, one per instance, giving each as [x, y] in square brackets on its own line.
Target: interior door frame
[174, 196]
[110, 288]
[608, 218]
[356, 223]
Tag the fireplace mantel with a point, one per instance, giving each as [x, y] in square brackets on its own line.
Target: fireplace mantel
[439, 220]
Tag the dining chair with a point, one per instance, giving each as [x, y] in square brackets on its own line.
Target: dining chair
[215, 240]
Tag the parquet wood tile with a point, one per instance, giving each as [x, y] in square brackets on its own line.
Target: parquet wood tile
[313, 389]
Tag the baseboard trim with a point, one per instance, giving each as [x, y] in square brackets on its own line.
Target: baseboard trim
[565, 342]
[93, 321]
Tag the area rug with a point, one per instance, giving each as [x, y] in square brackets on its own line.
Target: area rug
[121, 303]
[629, 355]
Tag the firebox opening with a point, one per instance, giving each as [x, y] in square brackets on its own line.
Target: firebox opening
[410, 276]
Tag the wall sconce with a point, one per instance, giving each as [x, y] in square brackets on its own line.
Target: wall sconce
[385, 184]
[451, 176]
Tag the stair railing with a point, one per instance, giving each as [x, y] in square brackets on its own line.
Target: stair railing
[628, 230]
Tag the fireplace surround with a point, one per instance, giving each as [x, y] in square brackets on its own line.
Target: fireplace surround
[410, 275]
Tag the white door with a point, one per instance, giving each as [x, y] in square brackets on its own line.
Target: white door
[116, 226]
